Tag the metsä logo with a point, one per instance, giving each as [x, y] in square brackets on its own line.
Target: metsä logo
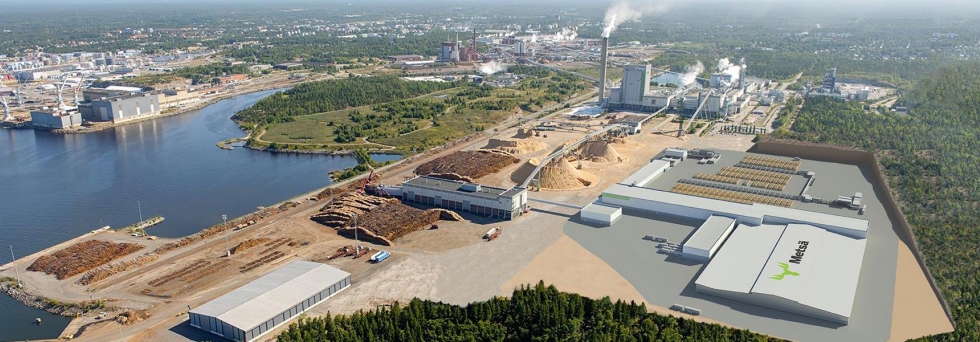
[786, 272]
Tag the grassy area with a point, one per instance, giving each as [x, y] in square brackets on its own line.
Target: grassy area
[611, 73]
[419, 123]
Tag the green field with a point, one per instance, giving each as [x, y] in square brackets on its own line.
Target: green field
[419, 123]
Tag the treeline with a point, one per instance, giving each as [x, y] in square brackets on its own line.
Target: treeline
[930, 158]
[541, 313]
[328, 49]
[325, 96]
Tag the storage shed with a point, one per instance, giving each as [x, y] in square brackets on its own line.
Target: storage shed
[601, 213]
[270, 301]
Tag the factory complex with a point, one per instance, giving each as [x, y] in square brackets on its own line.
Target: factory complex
[767, 236]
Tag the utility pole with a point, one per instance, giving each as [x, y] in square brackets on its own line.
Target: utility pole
[139, 225]
[355, 229]
[227, 249]
[15, 266]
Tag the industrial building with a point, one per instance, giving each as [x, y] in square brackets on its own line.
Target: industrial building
[461, 196]
[56, 118]
[260, 306]
[800, 261]
[708, 237]
[121, 108]
[600, 213]
[796, 268]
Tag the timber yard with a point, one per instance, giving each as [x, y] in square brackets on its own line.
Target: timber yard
[664, 200]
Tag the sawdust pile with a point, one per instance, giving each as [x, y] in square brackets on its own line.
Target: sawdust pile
[521, 174]
[559, 174]
[81, 257]
[472, 164]
[601, 152]
[523, 133]
[379, 220]
[515, 146]
[618, 140]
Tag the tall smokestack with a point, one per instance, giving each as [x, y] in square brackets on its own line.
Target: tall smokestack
[602, 71]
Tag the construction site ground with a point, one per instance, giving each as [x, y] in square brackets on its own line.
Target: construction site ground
[450, 264]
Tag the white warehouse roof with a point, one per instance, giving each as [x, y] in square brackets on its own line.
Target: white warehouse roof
[254, 303]
[647, 173]
[807, 266]
[710, 233]
[751, 213]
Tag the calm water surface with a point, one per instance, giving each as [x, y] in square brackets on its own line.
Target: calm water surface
[55, 187]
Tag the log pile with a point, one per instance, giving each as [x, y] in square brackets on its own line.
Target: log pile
[379, 220]
[81, 257]
[472, 164]
[108, 270]
[245, 245]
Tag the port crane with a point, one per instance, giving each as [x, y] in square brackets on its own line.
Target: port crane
[6, 109]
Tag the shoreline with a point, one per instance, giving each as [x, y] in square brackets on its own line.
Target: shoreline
[197, 106]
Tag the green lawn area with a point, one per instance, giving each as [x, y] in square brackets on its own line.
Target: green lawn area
[612, 73]
[402, 127]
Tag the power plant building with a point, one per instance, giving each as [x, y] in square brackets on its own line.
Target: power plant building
[461, 196]
[260, 306]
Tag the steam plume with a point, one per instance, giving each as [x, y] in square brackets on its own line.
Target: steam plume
[727, 67]
[691, 73]
[623, 11]
[492, 68]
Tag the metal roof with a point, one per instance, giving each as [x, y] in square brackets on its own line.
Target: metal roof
[455, 186]
[646, 173]
[256, 302]
[709, 232]
[600, 208]
[737, 265]
[823, 276]
[765, 213]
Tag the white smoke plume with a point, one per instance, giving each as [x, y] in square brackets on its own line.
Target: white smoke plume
[691, 73]
[727, 67]
[566, 34]
[534, 38]
[624, 11]
[492, 68]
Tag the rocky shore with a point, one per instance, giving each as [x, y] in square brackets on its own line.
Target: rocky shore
[38, 302]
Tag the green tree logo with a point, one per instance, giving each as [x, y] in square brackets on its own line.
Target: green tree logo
[786, 272]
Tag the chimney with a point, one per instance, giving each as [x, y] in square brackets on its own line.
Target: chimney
[602, 71]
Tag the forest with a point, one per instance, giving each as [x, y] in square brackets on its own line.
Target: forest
[325, 96]
[538, 313]
[930, 159]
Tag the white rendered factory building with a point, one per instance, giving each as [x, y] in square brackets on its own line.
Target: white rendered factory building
[794, 260]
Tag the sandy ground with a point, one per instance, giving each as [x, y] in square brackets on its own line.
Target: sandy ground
[916, 312]
[572, 268]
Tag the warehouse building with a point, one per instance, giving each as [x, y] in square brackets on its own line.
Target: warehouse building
[121, 108]
[270, 301]
[706, 240]
[602, 214]
[700, 208]
[461, 196]
[795, 268]
[46, 119]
